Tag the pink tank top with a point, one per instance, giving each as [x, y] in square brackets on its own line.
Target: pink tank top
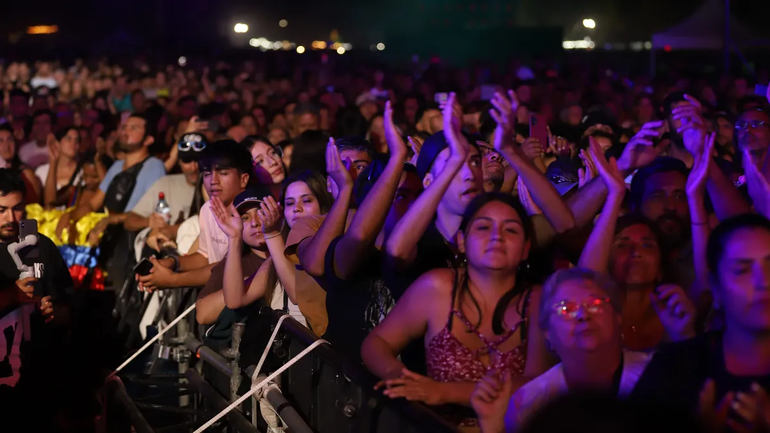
[449, 360]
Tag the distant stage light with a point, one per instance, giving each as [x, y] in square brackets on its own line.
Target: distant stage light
[182, 61]
[589, 23]
[254, 42]
[381, 46]
[241, 28]
[340, 50]
[283, 23]
[300, 49]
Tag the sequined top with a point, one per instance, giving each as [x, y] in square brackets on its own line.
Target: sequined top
[449, 360]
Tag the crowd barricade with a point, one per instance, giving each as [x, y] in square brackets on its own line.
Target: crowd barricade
[182, 384]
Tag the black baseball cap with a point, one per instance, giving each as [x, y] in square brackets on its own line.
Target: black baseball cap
[563, 174]
[432, 146]
[249, 198]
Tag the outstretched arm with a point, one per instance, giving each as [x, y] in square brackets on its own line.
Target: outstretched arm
[353, 249]
[312, 251]
[402, 243]
[596, 253]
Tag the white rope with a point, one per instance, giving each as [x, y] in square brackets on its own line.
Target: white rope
[267, 349]
[261, 362]
[153, 340]
[256, 388]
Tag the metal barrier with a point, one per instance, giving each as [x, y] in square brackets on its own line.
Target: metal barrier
[321, 393]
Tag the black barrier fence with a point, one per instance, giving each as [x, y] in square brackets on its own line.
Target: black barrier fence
[322, 392]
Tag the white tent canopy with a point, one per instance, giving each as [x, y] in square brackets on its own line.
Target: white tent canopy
[704, 30]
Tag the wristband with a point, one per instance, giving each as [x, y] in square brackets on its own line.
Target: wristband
[274, 235]
[176, 262]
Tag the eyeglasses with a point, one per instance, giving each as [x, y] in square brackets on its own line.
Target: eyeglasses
[745, 124]
[568, 310]
[274, 153]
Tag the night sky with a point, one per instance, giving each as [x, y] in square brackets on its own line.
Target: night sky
[196, 22]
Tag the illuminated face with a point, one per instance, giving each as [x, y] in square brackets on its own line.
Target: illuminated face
[132, 135]
[744, 280]
[299, 202]
[252, 229]
[466, 184]
[7, 146]
[267, 164]
[224, 183]
[665, 202]
[11, 212]
[495, 239]
[582, 319]
[635, 257]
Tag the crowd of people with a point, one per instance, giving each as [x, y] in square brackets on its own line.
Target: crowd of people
[483, 251]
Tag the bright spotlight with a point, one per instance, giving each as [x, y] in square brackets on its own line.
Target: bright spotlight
[380, 46]
[182, 61]
[300, 49]
[241, 28]
[340, 50]
[254, 42]
[283, 23]
[589, 23]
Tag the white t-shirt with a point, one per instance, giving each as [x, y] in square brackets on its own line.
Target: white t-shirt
[177, 192]
[49, 82]
[42, 174]
[213, 241]
[277, 303]
[32, 155]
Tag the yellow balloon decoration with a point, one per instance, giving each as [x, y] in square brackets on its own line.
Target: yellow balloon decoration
[48, 220]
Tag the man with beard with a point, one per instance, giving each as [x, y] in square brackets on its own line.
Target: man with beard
[658, 193]
[124, 184]
[24, 390]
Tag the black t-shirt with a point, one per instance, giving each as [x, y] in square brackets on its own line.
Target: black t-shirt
[433, 252]
[676, 374]
[56, 281]
[355, 306]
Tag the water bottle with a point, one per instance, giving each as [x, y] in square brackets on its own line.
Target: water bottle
[163, 209]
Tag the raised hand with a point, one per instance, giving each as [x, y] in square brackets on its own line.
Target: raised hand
[557, 146]
[759, 188]
[416, 145]
[393, 138]
[641, 150]
[334, 166]
[271, 216]
[586, 174]
[227, 218]
[54, 152]
[696, 181]
[504, 114]
[532, 148]
[694, 128]
[458, 145]
[608, 170]
[675, 311]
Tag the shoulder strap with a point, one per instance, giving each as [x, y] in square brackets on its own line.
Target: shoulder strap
[455, 282]
[525, 312]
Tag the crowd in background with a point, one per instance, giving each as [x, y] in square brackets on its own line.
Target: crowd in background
[482, 240]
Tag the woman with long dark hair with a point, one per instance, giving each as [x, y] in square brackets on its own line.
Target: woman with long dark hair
[473, 318]
[63, 173]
